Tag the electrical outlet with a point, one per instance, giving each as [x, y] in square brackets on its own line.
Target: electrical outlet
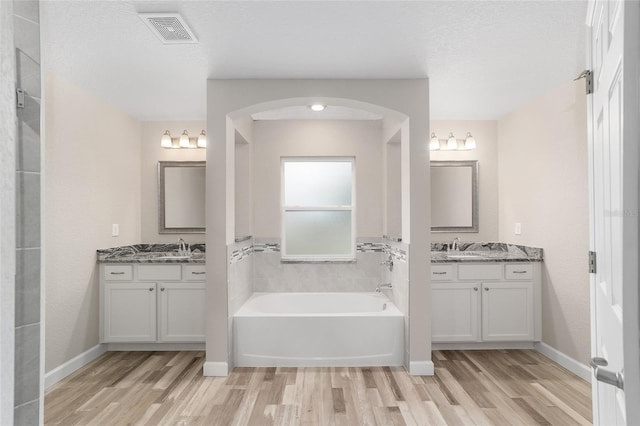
[518, 229]
[115, 230]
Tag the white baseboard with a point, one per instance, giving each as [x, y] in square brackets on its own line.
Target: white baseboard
[155, 346]
[567, 362]
[215, 369]
[421, 368]
[465, 346]
[62, 371]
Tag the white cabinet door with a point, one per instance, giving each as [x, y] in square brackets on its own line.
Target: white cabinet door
[507, 311]
[455, 312]
[182, 312]
[129, 312]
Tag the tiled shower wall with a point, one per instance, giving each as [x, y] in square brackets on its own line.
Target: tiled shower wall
[399, 278]
[271, 275]
[240, 283]
[28, 245]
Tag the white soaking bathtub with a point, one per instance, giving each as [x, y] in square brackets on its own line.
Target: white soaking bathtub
[318, 329]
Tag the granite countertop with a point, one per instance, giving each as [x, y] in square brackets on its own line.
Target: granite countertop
[485, 252]
[151, 253]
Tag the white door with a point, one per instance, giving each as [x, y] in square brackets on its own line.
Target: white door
[129, 312]
[455, 312]
[614, 114]
[507, 311]
[182, 312]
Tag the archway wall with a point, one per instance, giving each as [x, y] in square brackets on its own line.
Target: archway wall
[230, 102]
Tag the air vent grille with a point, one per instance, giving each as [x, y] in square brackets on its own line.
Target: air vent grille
[169, 27]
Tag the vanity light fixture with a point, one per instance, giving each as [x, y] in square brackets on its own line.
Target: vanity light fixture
[184, 141]
[317, 107]
[451, 143]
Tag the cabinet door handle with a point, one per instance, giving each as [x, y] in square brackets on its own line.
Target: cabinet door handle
[150, 288]
[198, 273]
[162, 289]
[486, 289]
[519, 272]
[116, 273]
[475, 289]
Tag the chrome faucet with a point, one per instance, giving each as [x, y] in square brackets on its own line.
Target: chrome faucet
[387, 286]
[184, 249]
[455, 244]
[388, 263]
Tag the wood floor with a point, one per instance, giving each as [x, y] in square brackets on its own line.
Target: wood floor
[506, 387]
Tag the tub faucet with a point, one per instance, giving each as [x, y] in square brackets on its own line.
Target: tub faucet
[455, 244]
[387, 286]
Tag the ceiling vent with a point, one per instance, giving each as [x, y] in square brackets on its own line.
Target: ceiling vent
[169, 27]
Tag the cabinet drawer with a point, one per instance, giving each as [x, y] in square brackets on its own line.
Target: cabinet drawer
[441, 272]
[160, 272]
[118, 272]
[195, 272]
[480, 272]
[520, 271]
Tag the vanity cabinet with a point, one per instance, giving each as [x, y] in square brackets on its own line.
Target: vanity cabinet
[491, 302]
[152, 303]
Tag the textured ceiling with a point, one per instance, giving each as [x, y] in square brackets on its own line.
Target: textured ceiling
[483, 58]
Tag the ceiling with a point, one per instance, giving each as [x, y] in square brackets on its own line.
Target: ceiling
[483, 58]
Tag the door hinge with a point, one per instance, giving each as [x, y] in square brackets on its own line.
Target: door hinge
[592, 262]
[588, 79]
[19, 98]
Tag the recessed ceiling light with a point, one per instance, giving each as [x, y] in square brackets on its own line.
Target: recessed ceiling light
[318, 107]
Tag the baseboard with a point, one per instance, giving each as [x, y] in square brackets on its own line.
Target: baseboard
[215, 369]
[577, 368]
[62, 371]
[421, 368]
[466, 346]
[155, 346]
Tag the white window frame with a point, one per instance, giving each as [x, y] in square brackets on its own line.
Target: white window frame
[284, 208]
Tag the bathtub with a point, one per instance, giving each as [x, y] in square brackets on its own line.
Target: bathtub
[318, 329]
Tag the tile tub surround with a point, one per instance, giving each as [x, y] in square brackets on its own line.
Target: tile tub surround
[486, 252]
[148, 253]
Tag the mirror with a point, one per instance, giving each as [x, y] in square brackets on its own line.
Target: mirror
[454, 196]
[181, 197]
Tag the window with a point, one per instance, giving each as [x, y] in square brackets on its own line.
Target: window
[318, 205]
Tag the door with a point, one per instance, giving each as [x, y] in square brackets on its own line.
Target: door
[507, 312]
[129, 312]
[455, 310]
[613, 40]
[182, 312]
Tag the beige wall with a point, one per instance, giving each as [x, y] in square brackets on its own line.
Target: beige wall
[92, 180]
[543, 185]
[486, 135]
[282, 138]
[151, 153]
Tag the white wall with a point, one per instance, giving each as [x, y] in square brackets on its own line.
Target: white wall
[151, 153]
[92, 181]
[486, 136]
[543, 185]
[282, 138]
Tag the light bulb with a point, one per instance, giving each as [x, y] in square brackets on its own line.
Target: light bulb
[434, 143]
[317, 107]
[165, 141]
[184, 140]
[469, 142]
[202, 140]
[452, 142]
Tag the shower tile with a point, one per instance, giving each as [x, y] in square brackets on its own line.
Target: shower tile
[27, 286]
[27, 364]
[28, 149]
[26, 37]
[27, 9]
[27, 210]
[28, 74]
[27, 414]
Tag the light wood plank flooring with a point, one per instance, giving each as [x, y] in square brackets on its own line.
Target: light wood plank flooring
[506, 387]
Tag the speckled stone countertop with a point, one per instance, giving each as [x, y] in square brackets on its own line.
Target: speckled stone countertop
[485, 252]
[151, 253]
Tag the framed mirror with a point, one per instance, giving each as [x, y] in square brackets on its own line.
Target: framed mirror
[454, 196]
[181, 197]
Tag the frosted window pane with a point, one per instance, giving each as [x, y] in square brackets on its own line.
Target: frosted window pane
[321, 183]
[318, 233]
